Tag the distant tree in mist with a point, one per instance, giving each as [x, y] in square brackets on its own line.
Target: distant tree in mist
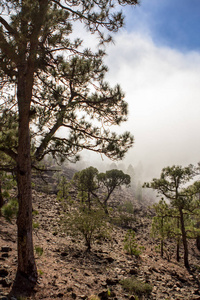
[98, 187]
[110, 180]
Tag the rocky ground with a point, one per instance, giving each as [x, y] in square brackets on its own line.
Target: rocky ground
[66, 271]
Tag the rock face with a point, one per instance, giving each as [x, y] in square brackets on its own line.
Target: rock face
[66, 271]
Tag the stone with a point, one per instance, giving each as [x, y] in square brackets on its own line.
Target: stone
[3, 273]
[133, 271]
[5, 255]
[60, 295]
[63, 254]
[5, 249]
[84, 297]
[196, 292]
[2, 259]
[110, 259]
[111, 281]
[73, 295]
[5, 282]
[103, 295]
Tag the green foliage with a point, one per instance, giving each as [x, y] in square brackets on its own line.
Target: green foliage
[35, 212]
[39, 250]
[92, 225]
[21, 298]
[128, 207]
[10, 210]
[86, 180]
[7, 182]
[136, 286]
[86, 183]
[36, 225]
[126, 216]
[40, 272]
[49, 81]
[98, 187]
[109, 293]
[63, 188]
[174, 184]
[164, 225]
[8, 133]
[130, 244]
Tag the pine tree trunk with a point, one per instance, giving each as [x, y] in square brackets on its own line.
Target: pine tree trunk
[162, 248]
[178, 243]
[162, 239]
[26, 276]
[1, 198]
[184, 238]
[198, 237]
[198, 242]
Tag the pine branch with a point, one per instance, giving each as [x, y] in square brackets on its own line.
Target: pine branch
[9, 152]
[9, 28]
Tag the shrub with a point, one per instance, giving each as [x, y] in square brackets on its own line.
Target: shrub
[10, 210]
[126, 215]
[134, 285]
[124, 220]
[39, 250]
[35, 212]
[130, 244]
[128, 207]
[91, 224]
[36, 225]
[40, 272]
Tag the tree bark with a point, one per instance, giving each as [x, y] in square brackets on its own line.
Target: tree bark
[162, 248]
[198, 237]
[27, 271]
[184, 238]
[1, 198]
[178, 244]
[198, 242]
[162, 238]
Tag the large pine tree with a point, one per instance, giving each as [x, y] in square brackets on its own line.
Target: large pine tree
[49, 82]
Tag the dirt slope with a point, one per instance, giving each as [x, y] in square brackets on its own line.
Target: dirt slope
[67, 272]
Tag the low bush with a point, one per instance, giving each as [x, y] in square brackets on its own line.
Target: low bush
[10, 210]
[92, 225]
[136, 286]
[39, 250]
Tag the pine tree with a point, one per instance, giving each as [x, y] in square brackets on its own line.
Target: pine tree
[172, 184]
[49, 82]
[109, 181]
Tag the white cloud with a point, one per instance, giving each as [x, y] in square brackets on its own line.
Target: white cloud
[163, 91]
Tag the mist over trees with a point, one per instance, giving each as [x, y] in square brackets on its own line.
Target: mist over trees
[48, 81]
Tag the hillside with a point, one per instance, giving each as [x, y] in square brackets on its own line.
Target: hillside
[68, 272]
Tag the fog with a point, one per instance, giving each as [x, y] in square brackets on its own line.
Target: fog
[163, 92]
[162, 89]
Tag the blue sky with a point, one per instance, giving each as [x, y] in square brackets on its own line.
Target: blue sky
[174, 23]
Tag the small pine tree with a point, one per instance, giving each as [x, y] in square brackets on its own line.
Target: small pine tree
[82, 221]
[130, 244]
